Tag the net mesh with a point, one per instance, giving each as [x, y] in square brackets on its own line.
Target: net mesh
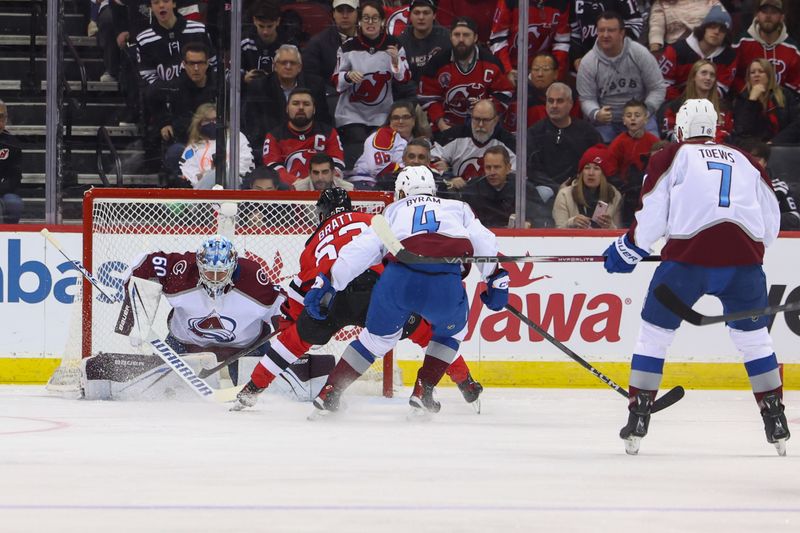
[269, 228]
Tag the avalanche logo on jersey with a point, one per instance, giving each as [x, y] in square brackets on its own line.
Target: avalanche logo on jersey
[459, 98]
[373, 89]
[214, 327]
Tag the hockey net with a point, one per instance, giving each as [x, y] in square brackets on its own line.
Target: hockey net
[269, 227]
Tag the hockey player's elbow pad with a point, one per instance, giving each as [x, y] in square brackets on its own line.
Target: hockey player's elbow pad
[495, 297]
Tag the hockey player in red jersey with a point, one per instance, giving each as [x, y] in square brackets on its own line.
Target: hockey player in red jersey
[715, 206]
[339, 224]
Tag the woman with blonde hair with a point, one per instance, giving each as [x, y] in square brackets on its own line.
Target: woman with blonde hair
[762, 109]
[591, 201]
[197, 162]
[701, 83]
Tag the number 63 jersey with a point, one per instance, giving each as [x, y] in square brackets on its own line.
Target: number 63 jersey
[714, 204]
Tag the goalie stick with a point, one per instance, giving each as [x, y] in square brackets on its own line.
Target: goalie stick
[204, 373]
[664, 401]
[381, 227]
[672, 302]
[86, 274]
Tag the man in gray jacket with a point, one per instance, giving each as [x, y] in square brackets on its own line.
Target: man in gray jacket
[616, 70]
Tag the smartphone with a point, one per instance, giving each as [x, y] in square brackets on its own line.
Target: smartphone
[599, 210]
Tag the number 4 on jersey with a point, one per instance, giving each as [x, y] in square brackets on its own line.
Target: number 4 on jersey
[424, 220]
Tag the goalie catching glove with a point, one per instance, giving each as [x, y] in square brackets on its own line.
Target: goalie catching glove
[319, 298]
[495, 297]
[622, 256]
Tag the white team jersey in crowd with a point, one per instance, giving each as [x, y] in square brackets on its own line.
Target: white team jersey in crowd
[701, 187]
[196, 161]
[382, 156]
[426, 225]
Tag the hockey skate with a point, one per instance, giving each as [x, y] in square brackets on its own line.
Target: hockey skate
[638, 422]
[775, 425]
[247, 397]
[471, 391]
[422, 401]
[327, 403]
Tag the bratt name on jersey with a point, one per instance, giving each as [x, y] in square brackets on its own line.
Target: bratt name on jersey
[336, 222]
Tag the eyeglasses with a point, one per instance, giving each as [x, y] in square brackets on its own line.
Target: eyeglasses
[539, 70]
[370, 20]
[287, 63]
[400, 117]
[479, 120]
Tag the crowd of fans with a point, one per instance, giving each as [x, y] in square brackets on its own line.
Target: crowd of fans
[389, 84]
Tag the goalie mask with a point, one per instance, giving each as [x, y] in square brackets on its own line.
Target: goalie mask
[332, 202]
[696, 118]
[414, 180]
[216, 261]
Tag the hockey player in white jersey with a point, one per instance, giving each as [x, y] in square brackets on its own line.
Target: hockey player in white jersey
[716, 208]
[429, 226]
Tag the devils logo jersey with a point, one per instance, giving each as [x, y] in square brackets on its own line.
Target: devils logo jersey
[445, 90]
[289, 151]
[548, 31]
[159, 49]
[367, 102]
[235, 320]
[321, 251]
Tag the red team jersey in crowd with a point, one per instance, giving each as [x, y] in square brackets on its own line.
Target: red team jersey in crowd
[289, 151]
[396, 20]
[321, 250]
[677, 61]
[447, 91]
[234, 320]
[548, 31]
[682, 180]
[784, 56]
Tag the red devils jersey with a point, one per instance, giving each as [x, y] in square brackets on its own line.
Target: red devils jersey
[548, 31]
[447, 91]
[289, 151]
[784, 56]
[396, 20]
[321, 251]
[678, 58]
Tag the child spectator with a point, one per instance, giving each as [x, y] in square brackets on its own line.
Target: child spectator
[629, 146]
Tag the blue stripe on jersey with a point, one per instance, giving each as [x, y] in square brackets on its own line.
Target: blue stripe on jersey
[450, 342]
[646, 363]
[762, 365]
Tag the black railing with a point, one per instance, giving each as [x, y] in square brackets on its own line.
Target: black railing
[84, 92]
[103, 138]
[32, 84]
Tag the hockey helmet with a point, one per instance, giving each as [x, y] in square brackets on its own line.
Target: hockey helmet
[216, 261]
[332, 202]
[696, 118]
[414, 180]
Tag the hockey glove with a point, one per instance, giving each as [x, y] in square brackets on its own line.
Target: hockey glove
[319, 298]
[622, 256]
[495, 297]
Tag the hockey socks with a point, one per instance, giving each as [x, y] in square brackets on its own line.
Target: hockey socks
[458, 370]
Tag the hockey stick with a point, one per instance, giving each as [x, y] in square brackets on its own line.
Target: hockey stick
[86, 274]
[204, 373]
[672, 302]
[385, 234]
[666, 399]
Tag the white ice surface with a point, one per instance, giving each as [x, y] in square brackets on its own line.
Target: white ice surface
[534, 460]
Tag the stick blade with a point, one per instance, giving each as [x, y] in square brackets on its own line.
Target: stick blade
[672, 302]
[384, 232]
[671, 397]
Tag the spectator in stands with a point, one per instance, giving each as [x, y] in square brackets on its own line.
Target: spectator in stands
[464, 146]
[106, 40]
[262, 41]
[174, 102]
[265, 179]
[481, 11]
[367, 65]
[673, 20]
[583, 24]
[10, 171]
[319, 54]
[763, 108]
[417, 153]
[198, 162]
[321, 175]
[557, 143]
[383, 150]
[629, 147]
[493, 195]
[702, 84]
[790, 217]
[289, 147]
[616, 70]
[767, 38]
[452, 82]
[265, 108]
[710, 40]
[548, 24]
[543, 73]
[579, 205]
[424, 37]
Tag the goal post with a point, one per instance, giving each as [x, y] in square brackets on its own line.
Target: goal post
[269, 227]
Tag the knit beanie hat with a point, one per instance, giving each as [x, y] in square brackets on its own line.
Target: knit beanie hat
[717, 15]
[600, 156]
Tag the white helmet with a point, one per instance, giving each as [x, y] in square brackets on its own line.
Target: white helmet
[415, 180]
[696, 118]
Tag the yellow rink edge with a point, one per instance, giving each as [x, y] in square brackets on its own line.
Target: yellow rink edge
[503, 373]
